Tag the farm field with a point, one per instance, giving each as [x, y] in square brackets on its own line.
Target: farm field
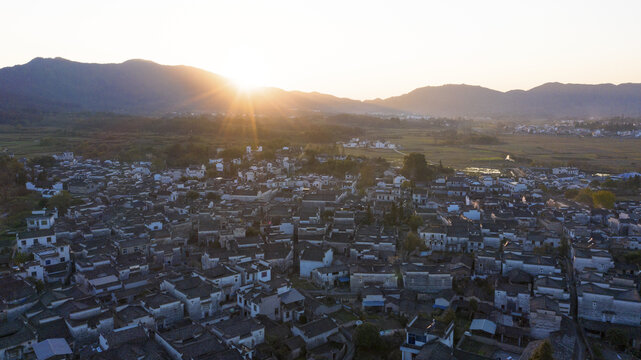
[595, 154]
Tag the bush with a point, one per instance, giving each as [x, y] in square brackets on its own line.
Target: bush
[367, 337]
[604, 199]
[20, 258]
[617, 338]
[414, 222]
[412, 242]
[543, 352]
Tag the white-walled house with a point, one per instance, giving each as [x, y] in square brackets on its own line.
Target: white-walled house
[314, 258]
[26, 240]
[316, 332]
[421, 331]
[164, 308]
[245, 332]
[41, 220]
[201, 298]
[609, 305]
[591, 259]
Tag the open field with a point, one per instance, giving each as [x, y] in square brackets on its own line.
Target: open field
[43, 141]
[596, 154]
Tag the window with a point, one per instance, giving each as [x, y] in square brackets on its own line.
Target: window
[24, 242]
[49, 239]
[62, 259]
[48, 262]
[34, 273]
[263, 274]
[124, 251]
[43, 222]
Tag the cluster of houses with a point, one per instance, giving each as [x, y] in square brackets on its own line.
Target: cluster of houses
[374, 144]
[272, 263]
[570, 127]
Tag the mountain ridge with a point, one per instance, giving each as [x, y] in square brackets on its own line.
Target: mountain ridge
[140, 86]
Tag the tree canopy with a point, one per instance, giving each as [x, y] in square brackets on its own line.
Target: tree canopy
[367, 337]
[415, 167]
[62, 202]
[412, 242]
[543, 352]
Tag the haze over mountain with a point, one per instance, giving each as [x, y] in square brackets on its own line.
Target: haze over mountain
[144, 87]
[551, 100]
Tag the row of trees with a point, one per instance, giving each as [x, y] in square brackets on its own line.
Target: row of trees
[600, 198]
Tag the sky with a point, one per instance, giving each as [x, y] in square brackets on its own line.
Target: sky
[357, 49]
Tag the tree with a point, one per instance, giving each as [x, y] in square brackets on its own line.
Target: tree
[369, 216]
[447, 317]
[212, 196]
[231, 153]
[45, 161]
[192, 195]
[474, 306]
[415, 167]
[617, 338]
[252, 231]
[327, 215]
[62, 202]
[412, 242]
[414, 222]
[564, 247]
[367, 176]
[604, 199]
[543, 352]
[571, 193]
[367, 337]
[584, 196]
[20, 258]
[391, 218]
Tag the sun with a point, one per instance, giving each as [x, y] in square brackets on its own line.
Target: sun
[245, 68]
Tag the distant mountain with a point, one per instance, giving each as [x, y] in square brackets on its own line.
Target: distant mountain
[551, 100]
[144, 87]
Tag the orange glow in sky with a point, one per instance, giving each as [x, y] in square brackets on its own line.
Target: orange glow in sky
[359, 49]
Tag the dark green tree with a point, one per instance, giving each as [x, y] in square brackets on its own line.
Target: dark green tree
[543, 352]
[414, 222]
[367, 338]
[415, 167]
[413, 242]
[192, 195]
[617, 338]
[604, 199]
[62, 202]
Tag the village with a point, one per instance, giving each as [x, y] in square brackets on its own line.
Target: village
[248, 258]
[583, 128]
